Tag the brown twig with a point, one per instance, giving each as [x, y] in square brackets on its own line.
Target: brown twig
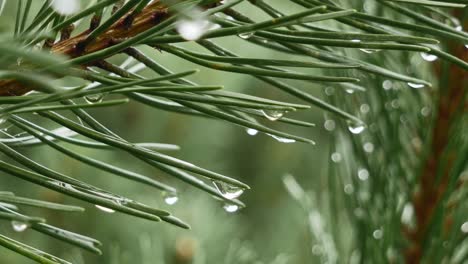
[150, 16]
[432, 188]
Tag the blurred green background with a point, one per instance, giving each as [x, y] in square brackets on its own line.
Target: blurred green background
[273, 228]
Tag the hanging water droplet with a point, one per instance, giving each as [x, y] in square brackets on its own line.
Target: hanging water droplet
[105, 209]
[170, 198]
[368, 147]
[246, 35]
[464, 228]
[363, 174]
[415, 85]
[348, 189]
[94, 98]
[19, 226]
[228, 191]
[459, 28]
[251, 131]
[66, 7]
[356, 40]
[336, 157]
[377, 234]
[356, 128]
[428, 57]
[282, 139]
[364, 108]
[192, 28]
[369, 51]
[350, 91]
[387, 85]
[273, 115]
[329, 125]
[231, 208]
[407, 214]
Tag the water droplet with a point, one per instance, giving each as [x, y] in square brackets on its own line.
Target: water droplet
[329, 91]
[359, 213]
[228, 191]
[336, 157]
[369, 51]
[377, 234]
[364, 108]
[329, 125]
[282, 139]
[246, 35]
[170, 198]
[192, 28]
[105, 209]
[459, 28]
[251, 131]
[356, 40]
[464, 227]
[350, 91]
[368, 147]
[425, 111]
[19, 226]
[231, 208]
[387, 85]
[94, 98]
[407, 214]
[317, 250]
[428, 57]
[273, 115]
[66, 7]
[363, 174]
[355, 128]
[348, 189]
[415, 85]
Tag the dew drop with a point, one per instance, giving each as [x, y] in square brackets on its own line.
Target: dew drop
[377, 234]
[387, 85]
[273, 115]
[363, 174]
[19, 226]
[282, 139]
[349, 189]
[228, 191]
[66, 7]
[94, 98]
[105, 209]
[193, 28]
[368, 147]
[459, 28]
[329, 91]
[336, 157]
[425, 111]
[246, 35]
[428, 57]
[317, 250]
[329, 125]
[251, 131]
[407, 214]
[369, 51]
[350, 91]
[170, 198]
[415, 85]
[364, 108]
[355, 128]
[231, 208]
[464, 228]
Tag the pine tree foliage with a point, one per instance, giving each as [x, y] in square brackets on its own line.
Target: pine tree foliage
[397, 173]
